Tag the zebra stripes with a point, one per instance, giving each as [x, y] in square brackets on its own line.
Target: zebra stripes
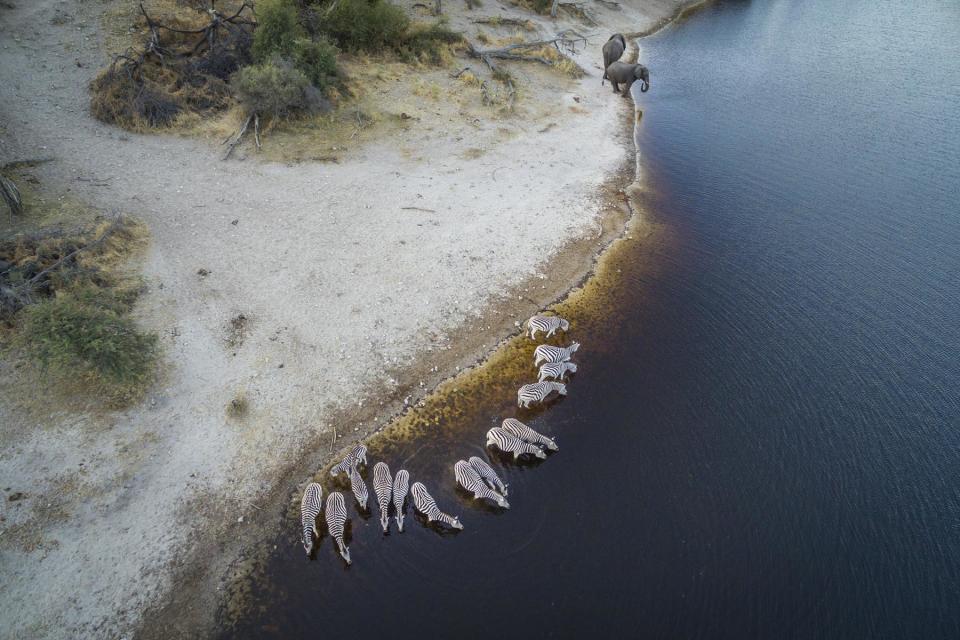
[549, 353]
[538, 392]
[509, 443]
[469, 479]
[556, 370]
[426, 505]
[549, 324]
[357, 455]
[525, 433]
[401, 484]
[488, 475]
[310, 507]
[358, 487]
[383, 487]
[336, 519]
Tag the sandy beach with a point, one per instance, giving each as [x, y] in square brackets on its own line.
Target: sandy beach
[361, 286]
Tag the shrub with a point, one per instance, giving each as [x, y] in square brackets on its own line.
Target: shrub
[277, 29]
[428, 43]
[274, 88]
[317, 59]
[87, 341]
[365, 25]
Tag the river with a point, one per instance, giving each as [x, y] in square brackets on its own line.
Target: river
[763, 439]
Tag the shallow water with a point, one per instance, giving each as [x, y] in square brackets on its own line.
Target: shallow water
[762, 440]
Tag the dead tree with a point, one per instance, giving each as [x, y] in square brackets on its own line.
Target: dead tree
[11, 195]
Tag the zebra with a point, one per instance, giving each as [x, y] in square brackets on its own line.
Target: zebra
[336, 519]
[488, 475]
[468, 478]
[401, 483]
[426, 505]
[546, 323]
[525, 433]
[310, 507]
[509, 443]
[357, 455]
[358, 487]
[556, 370]
[538, 392]
[383, 487]
[549, 353]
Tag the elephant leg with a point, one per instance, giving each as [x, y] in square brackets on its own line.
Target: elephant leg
[615, 86]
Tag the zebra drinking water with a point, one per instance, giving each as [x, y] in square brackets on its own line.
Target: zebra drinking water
[489, 475]
[358, 487]
[357, 455]
[525, 433]
[556, 370]
[549, 324]
[310, 507]
[401, 484]
[509, 443]
[538, 392]
[426, 505]
[549, 353]
[469, 479]
[383, 486]
[336, 519]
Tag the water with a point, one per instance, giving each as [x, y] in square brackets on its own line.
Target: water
[762, 441]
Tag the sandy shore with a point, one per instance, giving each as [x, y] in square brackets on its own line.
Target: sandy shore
[363, 285]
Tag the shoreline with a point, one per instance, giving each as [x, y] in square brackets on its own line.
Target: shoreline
[623, 223]
[177, 457]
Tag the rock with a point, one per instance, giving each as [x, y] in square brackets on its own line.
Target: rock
[13, 497]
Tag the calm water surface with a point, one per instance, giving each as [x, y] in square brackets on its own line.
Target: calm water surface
[763, 440]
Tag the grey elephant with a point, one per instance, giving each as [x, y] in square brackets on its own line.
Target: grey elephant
[626, 74]
[612, 50]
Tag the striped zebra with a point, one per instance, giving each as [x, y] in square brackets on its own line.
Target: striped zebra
[549, 324]
[509, 443]
[538, 392]
[336, 519]
[468, 478]
[525, 433]
[556, 370]
[357, 455]
[401, 484]
[549, 353]
[489, 475]
[358, 487]
[426, 505]
[383, 487]
[310, 507]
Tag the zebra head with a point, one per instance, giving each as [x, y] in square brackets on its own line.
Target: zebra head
[571, 367]
[308, 542]
[455, 523]
[384, 520]
[573, 347]
[564, 324]
[560, 388]
[400, 522]
[501, 500]
[345, 553]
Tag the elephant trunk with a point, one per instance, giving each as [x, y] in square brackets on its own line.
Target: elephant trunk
[644, 86]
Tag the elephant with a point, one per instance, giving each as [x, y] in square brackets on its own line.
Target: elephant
[626, 74]
[612, 50]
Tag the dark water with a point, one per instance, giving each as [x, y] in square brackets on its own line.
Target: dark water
[764, 437]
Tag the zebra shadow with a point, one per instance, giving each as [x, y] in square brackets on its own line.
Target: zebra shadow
[506, 459]
[437, 527]
[478, 504]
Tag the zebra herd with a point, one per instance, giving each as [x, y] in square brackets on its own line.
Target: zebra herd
[474, 475]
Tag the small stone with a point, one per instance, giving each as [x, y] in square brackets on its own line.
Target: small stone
[240, 519]
[13, 497]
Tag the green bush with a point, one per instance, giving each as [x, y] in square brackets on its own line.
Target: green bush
[427, 42]
[365, 25]
[277, 29]
[70, 337]
[317, 59]
[274, 88]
